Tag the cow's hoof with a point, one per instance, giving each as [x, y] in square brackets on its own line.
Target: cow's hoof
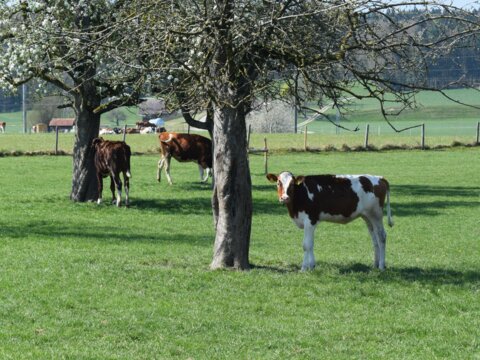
[308, 267]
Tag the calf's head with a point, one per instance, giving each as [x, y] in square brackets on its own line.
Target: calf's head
[285, 183]
[96, 142]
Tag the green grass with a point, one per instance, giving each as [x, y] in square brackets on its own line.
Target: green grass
[83, 281]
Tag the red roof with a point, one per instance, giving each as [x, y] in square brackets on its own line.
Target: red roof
[62, 122]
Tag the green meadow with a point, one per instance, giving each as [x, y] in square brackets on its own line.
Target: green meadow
[82, 281]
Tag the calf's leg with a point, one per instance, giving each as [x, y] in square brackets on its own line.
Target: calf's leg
[167, 170]
[112, 188]
[308, 255]
[118, 184]
[200, 170]
[379, 237]
[373, 235]
[161, 163]
[127, 188]
[382, 242]
[100, 188]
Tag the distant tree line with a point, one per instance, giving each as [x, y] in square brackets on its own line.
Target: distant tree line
[458, 66]
[9, 102]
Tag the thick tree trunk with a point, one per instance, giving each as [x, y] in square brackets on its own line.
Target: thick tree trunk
[232, 197]
[84, 181]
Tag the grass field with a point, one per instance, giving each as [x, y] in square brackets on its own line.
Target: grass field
[81, 281]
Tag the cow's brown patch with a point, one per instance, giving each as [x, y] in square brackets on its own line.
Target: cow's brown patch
[380, 191]
[187, 147]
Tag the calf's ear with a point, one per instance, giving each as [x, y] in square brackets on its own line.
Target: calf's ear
[299, 179]
[96, 141]
[272, 177]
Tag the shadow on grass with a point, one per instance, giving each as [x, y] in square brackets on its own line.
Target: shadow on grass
[193, 205]
[431, 276]
[281, 270]
[110, 234]
[443, 191]
[202, 206]
[430, 208]
[462, 197]
[427, 276]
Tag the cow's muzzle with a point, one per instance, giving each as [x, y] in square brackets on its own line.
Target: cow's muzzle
[285, 199]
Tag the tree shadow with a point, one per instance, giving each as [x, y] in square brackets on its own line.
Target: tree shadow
[433, 207]
[193, 205]
[276, 269]
[102, 234]
[431, 276]
[363, 272]
[429, 208]
[428, 190]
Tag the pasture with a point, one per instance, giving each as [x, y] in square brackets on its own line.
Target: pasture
[84, 281]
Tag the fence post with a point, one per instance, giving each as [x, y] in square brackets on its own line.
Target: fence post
[265, 149]
[248, 136]
[423, 136]
[305, 138]
[124, 132]
[367, 131]
[478, 132]
[56, 140]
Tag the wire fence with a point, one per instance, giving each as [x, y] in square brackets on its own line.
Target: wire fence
[314, 136]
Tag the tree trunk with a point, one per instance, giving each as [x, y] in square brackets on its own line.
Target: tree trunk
[84, 181]
[232, 197]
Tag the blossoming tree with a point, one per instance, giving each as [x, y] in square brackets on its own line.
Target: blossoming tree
[65, 43]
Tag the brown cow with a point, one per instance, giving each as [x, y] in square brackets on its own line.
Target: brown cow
[338, 199]
[185, 147]
[112, 158]
[3, 124]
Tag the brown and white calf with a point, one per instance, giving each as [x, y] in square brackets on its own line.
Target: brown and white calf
[112, 158]
[183, 148]
[3, 124]
[339, 199]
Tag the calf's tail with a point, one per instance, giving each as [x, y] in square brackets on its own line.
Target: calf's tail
[389, 211]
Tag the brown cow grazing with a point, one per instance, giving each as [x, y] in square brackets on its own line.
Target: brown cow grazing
[338, 199]
[112, 158]
[3, 124]
[185, 147]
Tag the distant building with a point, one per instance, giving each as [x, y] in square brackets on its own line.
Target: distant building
[63, 124]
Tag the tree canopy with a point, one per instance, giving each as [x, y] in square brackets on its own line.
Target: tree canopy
[69, 44]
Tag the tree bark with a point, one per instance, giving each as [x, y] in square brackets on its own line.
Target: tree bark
[84, 180]
[232, 197]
